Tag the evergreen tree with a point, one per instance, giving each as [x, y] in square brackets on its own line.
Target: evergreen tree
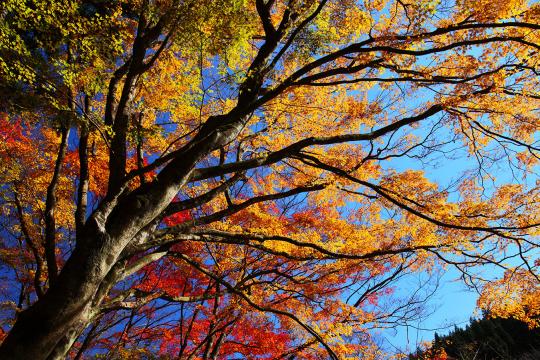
[486, 338]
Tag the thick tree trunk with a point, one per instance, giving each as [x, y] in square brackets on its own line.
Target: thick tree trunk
[50, 326]
[64, 309]
[67, 306]
[62, 348]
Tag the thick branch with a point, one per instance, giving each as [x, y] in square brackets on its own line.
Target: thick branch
[82, 189]
[293, 149]
[50, 208]
[32, 244]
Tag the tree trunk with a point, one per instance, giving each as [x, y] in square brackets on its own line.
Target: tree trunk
[67, 305]
[63, 311]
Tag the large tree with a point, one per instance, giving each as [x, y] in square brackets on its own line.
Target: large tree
[199, 179]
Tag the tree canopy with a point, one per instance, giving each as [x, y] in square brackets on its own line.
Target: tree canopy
[214, 179]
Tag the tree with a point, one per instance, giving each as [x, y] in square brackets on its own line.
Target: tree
[208, 178]
[486, 338]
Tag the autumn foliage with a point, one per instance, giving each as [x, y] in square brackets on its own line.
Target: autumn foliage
[252, 178]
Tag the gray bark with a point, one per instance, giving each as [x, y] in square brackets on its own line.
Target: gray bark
[45, 328]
